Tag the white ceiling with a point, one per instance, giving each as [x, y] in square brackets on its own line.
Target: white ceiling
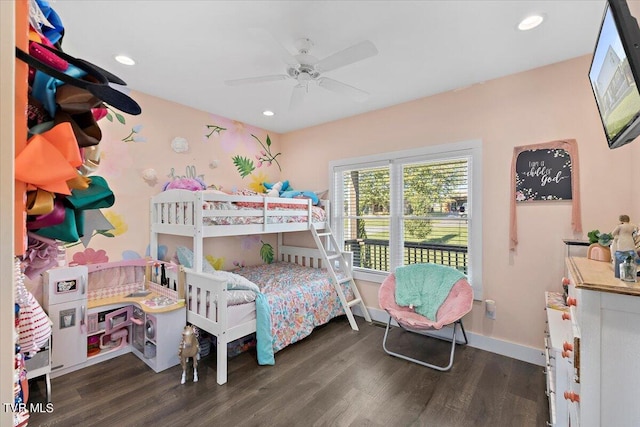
[185, 50]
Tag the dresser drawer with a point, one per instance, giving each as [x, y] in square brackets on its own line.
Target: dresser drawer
[558, 369]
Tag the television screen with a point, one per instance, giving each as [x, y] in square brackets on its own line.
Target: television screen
[613, 74]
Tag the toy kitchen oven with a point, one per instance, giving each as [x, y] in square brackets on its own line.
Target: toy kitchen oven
[143, 333]
[108, 329]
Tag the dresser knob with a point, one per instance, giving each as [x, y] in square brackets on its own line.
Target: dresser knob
[566, 354]
[566, 281]
[566, 316]
[572, 301]
[567, 346]
[572, 396]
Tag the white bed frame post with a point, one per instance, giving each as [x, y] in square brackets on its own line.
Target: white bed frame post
[207, 308]
[153, 241]
[198, 241]
[222, 337]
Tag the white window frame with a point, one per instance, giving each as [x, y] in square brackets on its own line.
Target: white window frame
[472, 150]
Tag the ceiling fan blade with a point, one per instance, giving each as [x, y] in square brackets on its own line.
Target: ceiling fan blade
[352, 54]
[270, 41]
[343, 89]
[297, 96]
[251, 80]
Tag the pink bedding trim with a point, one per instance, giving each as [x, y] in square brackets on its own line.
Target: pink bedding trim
[458, 303]
[571, 146]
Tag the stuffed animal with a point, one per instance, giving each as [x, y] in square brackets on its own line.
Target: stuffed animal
[284, 190]
[283, 186]
[193, 184]
[275, 189]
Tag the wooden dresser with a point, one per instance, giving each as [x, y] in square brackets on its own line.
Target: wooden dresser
[604, 387]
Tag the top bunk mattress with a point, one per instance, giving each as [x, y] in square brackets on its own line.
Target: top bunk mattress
[245, 214]
[177, 211]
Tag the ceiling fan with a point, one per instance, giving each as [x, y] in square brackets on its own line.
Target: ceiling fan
[305, 69]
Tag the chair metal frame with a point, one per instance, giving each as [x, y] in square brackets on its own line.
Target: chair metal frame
[421, 362]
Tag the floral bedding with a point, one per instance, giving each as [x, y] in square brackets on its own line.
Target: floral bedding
[318, 215]
[300, 299]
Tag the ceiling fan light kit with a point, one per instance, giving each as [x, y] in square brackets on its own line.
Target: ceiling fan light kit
[305, 68]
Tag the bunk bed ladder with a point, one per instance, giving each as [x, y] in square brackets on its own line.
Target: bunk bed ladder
[334, 261]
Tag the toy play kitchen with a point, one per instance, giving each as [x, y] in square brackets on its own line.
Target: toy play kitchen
[102, 311]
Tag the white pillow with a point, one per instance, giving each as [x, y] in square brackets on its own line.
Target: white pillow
[234, 281]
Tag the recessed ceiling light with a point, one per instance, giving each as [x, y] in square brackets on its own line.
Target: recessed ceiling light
[530, 22]
[268, 113]
[123, 59]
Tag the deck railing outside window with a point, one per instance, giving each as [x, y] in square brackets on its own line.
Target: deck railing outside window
[374, 254]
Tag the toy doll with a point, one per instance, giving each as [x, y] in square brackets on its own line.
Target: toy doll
[624, 235]
[624, 243]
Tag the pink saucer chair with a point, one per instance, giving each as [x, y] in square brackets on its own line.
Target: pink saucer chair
[458, 303]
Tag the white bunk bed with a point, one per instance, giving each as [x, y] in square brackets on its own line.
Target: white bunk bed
[205, 214]
[202, 214]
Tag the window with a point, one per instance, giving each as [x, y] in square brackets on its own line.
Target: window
[411, 207]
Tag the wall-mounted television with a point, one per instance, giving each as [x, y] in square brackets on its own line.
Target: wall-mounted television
[615, 74]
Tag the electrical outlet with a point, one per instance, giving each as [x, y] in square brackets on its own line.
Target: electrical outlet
[490, 309]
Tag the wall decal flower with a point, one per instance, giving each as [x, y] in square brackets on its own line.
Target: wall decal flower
[150, 176]
[216, 263]
[257, 179]
[118, 222]
[130, 254]
[133, 135]
[90, 256]
[248, 242]
[110, 114]
[231, 134]
[212, 129]
[162, 252]
[180, 145]
[265, 155]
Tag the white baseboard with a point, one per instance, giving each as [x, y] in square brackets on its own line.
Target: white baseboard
[504, 348]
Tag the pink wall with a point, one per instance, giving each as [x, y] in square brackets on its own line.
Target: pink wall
[144, 142]
[123, 162]
[549, 103]
[545, 104]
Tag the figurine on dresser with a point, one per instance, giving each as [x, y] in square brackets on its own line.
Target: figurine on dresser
[624, 243]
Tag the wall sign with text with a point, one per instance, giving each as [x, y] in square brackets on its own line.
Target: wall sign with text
[543, 174]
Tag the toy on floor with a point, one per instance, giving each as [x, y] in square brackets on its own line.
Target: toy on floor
[189, 348]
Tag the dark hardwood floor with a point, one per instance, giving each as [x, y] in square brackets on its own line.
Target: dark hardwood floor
[335, 377]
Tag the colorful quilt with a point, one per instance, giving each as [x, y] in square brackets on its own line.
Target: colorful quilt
[300, 299]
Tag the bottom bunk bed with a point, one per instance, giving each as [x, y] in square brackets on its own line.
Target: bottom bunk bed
[297, 293]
